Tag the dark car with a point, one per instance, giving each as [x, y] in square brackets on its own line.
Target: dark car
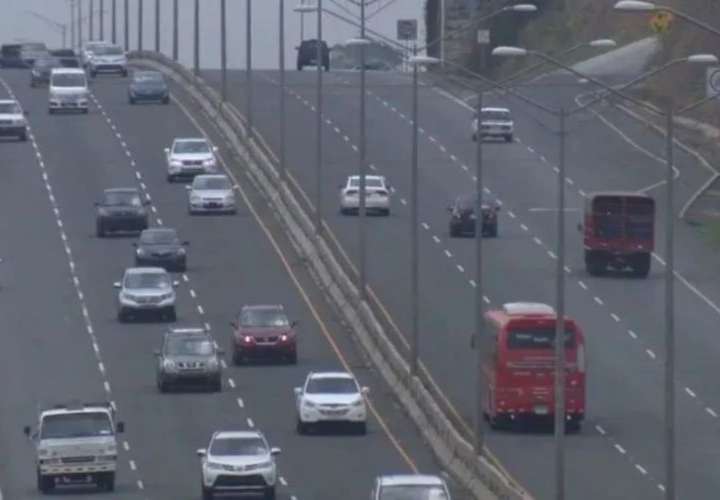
[41, 69]
[462, 218]
[161, 247]
[188, 356]
[10, 56]
[148, 86]
[30, 52]
[307, 54]
[121, 209]
[67, 58]
[264, 332]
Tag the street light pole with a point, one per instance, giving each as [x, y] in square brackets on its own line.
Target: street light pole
[175, 30]
[283, 113]
[196, 38]
[72, 25]
[414, 252]
[140, 24]
[363, 184]
[670, 310]
[114, 21]
[91, 20]
[318, 123]
[157, 25]
[479, 289]
[223, 49]
[249, 75]
[79, 23]
[102, 19]
[126, 13]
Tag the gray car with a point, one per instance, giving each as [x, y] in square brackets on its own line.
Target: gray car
[188, 356]
[146, 291]
[211, 194]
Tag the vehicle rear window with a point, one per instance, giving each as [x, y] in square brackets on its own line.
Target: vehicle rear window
[536, 338]
[327, 385]
[189, 346]
[184, 147]
[120, 198]
[268, 318]
[211, 183]
[147, 280]
[155, 237]
[495, 115]
[68, 80]
[369, 182]
[412, 492]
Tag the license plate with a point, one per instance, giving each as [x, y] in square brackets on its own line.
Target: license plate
[540, 410]
[212, 205]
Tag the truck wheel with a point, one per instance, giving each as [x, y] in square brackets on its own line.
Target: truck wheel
[301, 427]
[641, 265]
[594, 264]
[361, 428]
[454, 232]
[45, 483]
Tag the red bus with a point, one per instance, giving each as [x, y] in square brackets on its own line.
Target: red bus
[520, 362]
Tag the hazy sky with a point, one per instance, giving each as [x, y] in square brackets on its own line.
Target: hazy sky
[18, 23]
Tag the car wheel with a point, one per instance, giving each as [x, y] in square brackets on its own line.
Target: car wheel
[162, 385]
[45, 484]
[166, 100]
[237, 358]
[131, 100]
[454, 231]
[85, 111]
[93, 74]
[299, 67]
[292, 358]
[492, 231]
[100, 230]
[474, 137]
[122, 316]
[207, 493]
[182, 267]
[216, 385]
[51, 111]
[361, 428]
[23, 137]
[301, 427]
[172, 315]
[270, 493]
[386, 212]
[124, 73]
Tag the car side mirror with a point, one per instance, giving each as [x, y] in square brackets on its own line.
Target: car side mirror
[26, 430]
[97, 203]
[215, 149]
[236, 187]
[201, 452]
[498, 207]
[186, 243]
[188, 187]
[365, 390]
[275, 451]
[234, 324]
[135, 244]
[580, 227]
[298, 391]
[297, 47]
[176, 283]
[120, 427]
[117, 284]
[167, 151]
[450, 208]
[26, 113]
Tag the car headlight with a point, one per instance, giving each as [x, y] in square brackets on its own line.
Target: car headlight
[209, 163]
[128, 297]
[107, 458]
[175, 163]
[50, 461]
[140, 252]
[195, 198]
[214, 466]
[43, 452]
[166, 296]
[102, 211]
[19, 121]
[358, 403]
[169, 364]
[229, 198]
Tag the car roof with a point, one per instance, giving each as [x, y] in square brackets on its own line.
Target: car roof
[84, 409]
[503, 110]
[186, 139]
[410, 479]
[187, 330]
[122, 190]
[212, 176]
[258, 307]
[237, 434]
[159, 230]
[145, 270]
[68, 71]
[331, 375]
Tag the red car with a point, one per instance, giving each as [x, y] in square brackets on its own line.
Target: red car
[264, 332]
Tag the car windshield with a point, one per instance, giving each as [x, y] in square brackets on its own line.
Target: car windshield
[147, 280]
[189, 346]
[159, 237]
[149, 78]
[183, 147]
[238, 446]
[263, 318]
[331, 385]
[496, 115]
[373, 182]
[74, 425]
[122, 198]
[107, 50]
[413, 492]
[9, 108]
[211, 183]
[68, 80]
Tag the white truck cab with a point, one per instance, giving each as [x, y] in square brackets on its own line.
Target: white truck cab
[68, 90]
[76, 444]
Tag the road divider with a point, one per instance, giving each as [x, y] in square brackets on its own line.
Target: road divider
[480, 476]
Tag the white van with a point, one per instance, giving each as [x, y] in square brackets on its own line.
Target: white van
[68, 90]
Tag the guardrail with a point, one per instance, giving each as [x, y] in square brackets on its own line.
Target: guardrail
[333, 271]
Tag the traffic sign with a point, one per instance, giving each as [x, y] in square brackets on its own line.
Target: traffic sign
[407, 29]
[660, 21]
[483, 37]
[712, 82]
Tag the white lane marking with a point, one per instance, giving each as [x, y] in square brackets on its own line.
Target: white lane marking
[140, 484]
[460, 268]
[282, 481]
[472, 283]
[192, 293]
[449, 255]
[200, 309]
[661, 487]
[690, 392]
[126, 445]
[551, 254]
[620, 449]
[207, 326]
[711, 412]
[185, 278]
[511, 214]
[582, 285]
[453, 157]
[132, 465]
[537, 240]
[436, 239]
[425, 226]
[106, 384]
[524, 227]
[642, 469]
[651, 353]
[615, 317]
[599, 300]
[600, 430]
[250, 423]
[240, 403]
[569, 181]
[486, 299]
[582, 193]
[101, 367]
[632, 334]
[402, 200]
[231, 383]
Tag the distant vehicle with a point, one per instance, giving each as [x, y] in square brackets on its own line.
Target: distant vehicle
[188, 157]
[463, 220]
[238, 462]
[264, 331]
[494, 122]
[146, 291]
[12, 120]
[161, 246]
[188, 356]
[211, 194]
[307, 54]
[67, 58]
[330, 397]
[619, 232]
[410, 487]
[148, 86]
[107, 59]
[41, 69]
[377, 195]
[89, 49]
[10, 56]
[31, 51]
[68, 90]
[121, 209]
[75, 442]
[519, 365]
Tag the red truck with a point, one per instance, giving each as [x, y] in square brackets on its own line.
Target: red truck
[619, 232]
[519, 366]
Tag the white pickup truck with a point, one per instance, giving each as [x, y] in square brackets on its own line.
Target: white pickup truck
[75, 444]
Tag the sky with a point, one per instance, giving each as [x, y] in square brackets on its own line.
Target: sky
[21, 20]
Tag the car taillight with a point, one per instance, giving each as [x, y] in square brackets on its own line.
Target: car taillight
[247, 339]
[283, 338]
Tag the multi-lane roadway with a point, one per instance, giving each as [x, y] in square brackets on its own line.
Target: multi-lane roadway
[619, 454]
[61, 339]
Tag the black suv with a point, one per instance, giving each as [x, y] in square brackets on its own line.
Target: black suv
[41, 69]
[462, 218]
[189, 355]
[307, 54]
[121, 209]
[161, 246]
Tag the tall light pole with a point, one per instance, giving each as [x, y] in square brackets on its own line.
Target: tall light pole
[196, 38]
[91, 20]
[416, 62]
[157, 25]
[363, 163]
[114, 21]
[175, 49]
[223, 48]
[79, 23]
[126, 27]
[283, 111]
[73, 43]
[140, 24]
[102, 20]
[248, 67]
[318, 122]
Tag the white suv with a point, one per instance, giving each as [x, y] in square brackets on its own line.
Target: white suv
[494, 122]
[416, 486]
[12, 120]
[68, 90]
[146, 290]
[188, 157]
[331, 397]
[377, 195]
[238, 462]
[108, 59]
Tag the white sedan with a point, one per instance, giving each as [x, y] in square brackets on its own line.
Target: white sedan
[329, 397]
[377, 195]
[495, 123]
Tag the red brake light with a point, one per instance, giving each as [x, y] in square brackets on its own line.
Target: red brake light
[247, 339]
[283, 338]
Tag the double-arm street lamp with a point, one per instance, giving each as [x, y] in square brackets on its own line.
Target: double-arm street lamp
[560, 272]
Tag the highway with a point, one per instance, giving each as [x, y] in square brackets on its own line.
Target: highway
[62, 340]
[619, 454]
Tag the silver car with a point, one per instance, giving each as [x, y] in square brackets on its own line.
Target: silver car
[211, 194]
[188, 157]
[146, 291]
[188, 356]
[405, 486]
[494, 123]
